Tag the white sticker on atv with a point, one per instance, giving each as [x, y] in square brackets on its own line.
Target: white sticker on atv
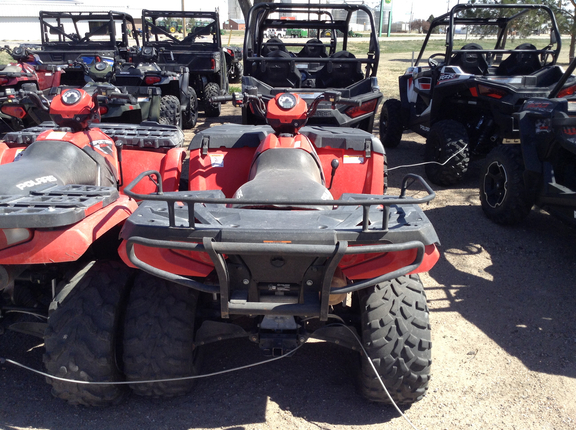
[37, 181]
[104, 146]
[353, 159]
[217, 160]
[18, 154]
[56, 135]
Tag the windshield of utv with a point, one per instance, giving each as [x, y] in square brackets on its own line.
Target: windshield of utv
[505, 40]
[310, 47]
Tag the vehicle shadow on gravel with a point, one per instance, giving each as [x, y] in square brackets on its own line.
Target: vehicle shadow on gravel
[515, 283]
[316, 385]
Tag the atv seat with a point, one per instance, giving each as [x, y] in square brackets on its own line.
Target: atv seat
[340, 74]
[520, 63]
[278, 73]
[282, 174]
[471, 62]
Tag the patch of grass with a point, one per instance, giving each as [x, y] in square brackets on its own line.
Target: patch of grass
[5, 58]
[234, 89]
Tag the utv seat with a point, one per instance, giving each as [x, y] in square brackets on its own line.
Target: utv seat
[471, 62]
[273, 44]
[520, 63]
[337, 74]
[313, 48]
[277, 73]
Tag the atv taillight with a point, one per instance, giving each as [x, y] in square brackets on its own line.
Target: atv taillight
[364, 108]
[151, 80]
[14, 236]
[495, 93]
[213, 64]
[3, 81]
[14, 111]
[565, 92]
[103, 110]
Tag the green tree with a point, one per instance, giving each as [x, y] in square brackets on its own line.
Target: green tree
[563, 10]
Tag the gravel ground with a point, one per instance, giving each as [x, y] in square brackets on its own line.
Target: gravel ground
[504, 344]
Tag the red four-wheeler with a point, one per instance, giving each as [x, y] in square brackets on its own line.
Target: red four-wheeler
[25, 74]
[62, 204]
[463, 100]
[284, 233]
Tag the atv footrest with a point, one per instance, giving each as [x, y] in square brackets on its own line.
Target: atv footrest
[55, 206]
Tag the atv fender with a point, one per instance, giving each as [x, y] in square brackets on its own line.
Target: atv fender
[69, 242]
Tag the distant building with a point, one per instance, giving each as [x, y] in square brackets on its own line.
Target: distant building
[234, 24]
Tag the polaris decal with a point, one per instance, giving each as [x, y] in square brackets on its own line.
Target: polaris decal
[37, 181]
[104, 146]
[538, 106]
[447, 77]
[217, 160]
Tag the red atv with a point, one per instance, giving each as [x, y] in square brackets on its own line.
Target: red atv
[26, 74]
[61, 208]
[284, 233]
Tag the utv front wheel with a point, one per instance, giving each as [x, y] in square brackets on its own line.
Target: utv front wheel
[447, 153]
[503, 194]
[159, 337]
[211, 90]
[391, 126]
[191, 113]
[170, 111]
[396, 335]
[82, 335]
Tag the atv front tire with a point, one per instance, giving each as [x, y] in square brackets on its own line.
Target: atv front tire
[447, 153]
[191, 113]
[503, 194]
[211, 109]
[170, 111]
[391, 125]
[82, 335]
[396, 335]
[159, 337]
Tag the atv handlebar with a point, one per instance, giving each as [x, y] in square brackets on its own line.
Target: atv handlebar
[36, 97]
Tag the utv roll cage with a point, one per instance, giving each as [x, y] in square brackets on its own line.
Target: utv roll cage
[453, 19]
[262, 19]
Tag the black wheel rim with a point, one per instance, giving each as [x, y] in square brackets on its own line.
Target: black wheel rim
[495, 184]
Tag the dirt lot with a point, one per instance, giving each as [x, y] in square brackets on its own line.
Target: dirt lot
[503, 317]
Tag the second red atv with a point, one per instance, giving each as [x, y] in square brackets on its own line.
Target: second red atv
[284, 233]
[62, 204]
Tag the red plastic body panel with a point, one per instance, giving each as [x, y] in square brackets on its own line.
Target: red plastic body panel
[197, 264]
[8, 153]
[222, 169]
[48, 79]
[286, 116]
[71, 242]
[356, 173]
[364, 266]
[168, 163]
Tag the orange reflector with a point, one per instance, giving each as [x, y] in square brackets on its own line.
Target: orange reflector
[15, 111]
